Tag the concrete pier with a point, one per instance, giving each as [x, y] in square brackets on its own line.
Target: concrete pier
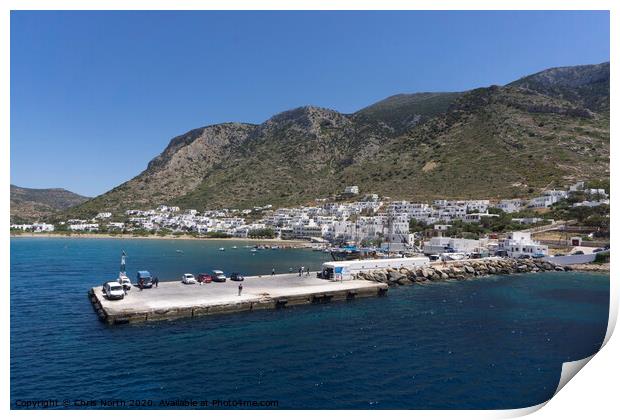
[174, 300]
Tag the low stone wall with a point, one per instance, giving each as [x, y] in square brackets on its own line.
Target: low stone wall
[459, 270]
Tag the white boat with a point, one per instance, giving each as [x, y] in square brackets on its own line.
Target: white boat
[222, 249]
[234, 247]
[453, 256]
[253, 250]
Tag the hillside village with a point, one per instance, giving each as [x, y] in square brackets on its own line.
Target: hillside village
[354, 218]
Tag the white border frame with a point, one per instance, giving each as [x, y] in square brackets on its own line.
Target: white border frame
[592, 394]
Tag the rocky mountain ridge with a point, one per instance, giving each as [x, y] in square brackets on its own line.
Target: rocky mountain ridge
[500, 141]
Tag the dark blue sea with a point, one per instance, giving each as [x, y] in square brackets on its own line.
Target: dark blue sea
[489, 343]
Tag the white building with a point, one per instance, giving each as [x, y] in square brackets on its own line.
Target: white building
[476, 217]
[42, 227]
[521, 243]
[89, 227]
[440, 245]
[510, 206]
[578, 186]
[530, 220]
[542, 202]
[35, 227]
[591, 203]
[353, 190]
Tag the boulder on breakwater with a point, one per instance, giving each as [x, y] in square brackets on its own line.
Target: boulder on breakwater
[458, 270]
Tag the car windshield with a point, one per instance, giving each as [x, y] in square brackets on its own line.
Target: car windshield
[115, 288]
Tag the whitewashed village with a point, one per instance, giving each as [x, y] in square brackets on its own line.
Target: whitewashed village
[355, 219]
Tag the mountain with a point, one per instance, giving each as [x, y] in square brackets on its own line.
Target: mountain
[31, 205]
[543, 130]
[405, 111]
[585, 85]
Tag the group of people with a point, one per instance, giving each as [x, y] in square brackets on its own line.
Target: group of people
[301, 270]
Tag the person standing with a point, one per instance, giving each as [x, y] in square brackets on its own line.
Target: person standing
[240, 289]
[300, 270]
[307, 271]
[156, 281]
[273, 271]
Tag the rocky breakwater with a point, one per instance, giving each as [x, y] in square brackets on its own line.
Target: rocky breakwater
[458, 270]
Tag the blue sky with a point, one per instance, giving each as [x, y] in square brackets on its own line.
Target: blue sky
[96, 95]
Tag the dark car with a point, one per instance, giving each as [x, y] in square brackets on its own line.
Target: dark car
[236, 277]
[525, 257]
[597, 250]
[578, 253]
[204, 278]
[144, 279]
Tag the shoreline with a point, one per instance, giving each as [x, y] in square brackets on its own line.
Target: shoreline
[591, 268]
[295, 242]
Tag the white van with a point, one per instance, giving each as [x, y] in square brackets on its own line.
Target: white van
[113, 290]
[344, 270]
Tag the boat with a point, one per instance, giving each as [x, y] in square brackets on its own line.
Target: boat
[453, 256]
[253, 250]
[179, 251]
[222, 249]
[234, 247]
[348, 253]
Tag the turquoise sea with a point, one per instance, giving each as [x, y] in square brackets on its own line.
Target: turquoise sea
[495, 342]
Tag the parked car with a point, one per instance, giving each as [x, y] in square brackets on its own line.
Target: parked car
[113, 290]
[578, 253]
[597, 250]
[124, 281]
[525, 257]
[218, 276]
[236, 277]
[559, 255]
[204, 278]
[146, 278]
[188, 278]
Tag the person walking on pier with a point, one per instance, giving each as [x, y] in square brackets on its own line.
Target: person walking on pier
[300, 271]
[273, 271]
[156, 281]
[141, 284]
[307, 271]
[240, 289]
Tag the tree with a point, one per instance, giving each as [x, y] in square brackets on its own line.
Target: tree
[261, 233]
[416, 225]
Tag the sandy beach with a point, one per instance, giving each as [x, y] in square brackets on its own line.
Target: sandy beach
[296, 243]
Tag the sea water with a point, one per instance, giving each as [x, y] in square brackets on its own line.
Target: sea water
[493, 342]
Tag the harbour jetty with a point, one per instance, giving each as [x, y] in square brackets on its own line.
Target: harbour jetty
[458, 270]
[175, 300]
